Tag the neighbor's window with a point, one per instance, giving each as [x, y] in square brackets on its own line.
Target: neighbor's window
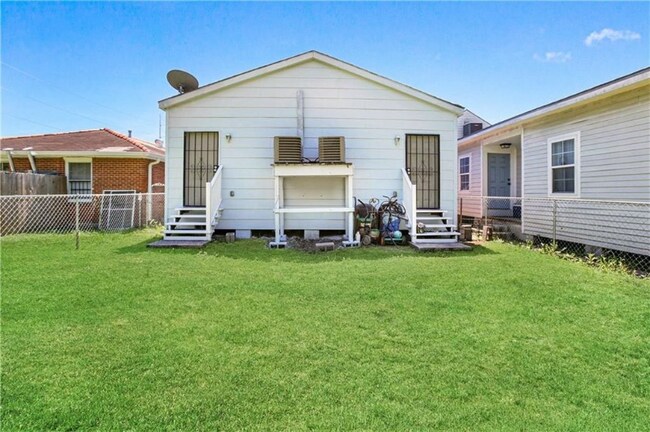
[563, 164]
[80, 178]
[464, 173]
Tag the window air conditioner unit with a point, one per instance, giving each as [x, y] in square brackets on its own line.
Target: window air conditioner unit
[287, 149]
[470, 128]
[331, 149]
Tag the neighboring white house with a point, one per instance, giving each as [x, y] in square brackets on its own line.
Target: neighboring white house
[469, 123]
[390, 130]
[584, 159]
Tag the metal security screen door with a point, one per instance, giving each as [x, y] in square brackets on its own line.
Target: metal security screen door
[498, 180]
[200, 163]
[423, 167]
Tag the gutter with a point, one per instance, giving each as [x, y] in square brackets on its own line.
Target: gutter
[93, 154]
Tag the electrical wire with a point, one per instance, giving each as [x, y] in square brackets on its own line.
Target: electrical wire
[34, 122]
[64, 90]
[4, 89]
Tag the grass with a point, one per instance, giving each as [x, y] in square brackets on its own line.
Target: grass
[116, 336]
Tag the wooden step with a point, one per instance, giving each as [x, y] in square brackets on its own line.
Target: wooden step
[190, 209]
[168, 224]
[438, 234]
[431, 218]
[186, 231]
[431, 211]
[421, 244]
[189, 216]
[443, 226]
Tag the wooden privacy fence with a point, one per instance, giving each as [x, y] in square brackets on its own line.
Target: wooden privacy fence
[12, 183]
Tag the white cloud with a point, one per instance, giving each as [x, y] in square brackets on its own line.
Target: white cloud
[612, 35]
[553, 57]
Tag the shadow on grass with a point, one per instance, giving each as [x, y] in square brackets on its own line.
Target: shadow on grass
[257, 250]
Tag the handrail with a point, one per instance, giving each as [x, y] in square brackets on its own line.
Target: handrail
[408, 191]
[212, 199]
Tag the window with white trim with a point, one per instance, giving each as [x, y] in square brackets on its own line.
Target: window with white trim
[563, 164]
[79, 178]
[464, 172]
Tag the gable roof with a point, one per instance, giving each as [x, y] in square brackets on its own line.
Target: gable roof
[609, 88]
[97, 140]
[302, 58]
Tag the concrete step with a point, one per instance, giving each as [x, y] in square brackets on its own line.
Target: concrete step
[176, 243]
[186, 238]
[439, 245]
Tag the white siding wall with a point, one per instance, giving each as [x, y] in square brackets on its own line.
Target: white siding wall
[614, 148]
[614, 165]
[335, 103]
[471, 197]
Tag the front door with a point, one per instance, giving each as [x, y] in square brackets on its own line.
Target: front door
[200, 163]
[499, 179]
[423, 167]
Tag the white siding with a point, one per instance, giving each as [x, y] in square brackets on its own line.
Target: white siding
[614, 165]
[471, 198]
[336, 102]
[614, 148]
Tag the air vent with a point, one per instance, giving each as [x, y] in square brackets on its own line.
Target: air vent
[287, 149]
[331, 149]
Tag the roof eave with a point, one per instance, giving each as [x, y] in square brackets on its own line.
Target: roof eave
[95, 154]
[609, 89]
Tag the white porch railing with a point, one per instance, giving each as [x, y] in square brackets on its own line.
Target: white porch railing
[408, 192]
[212, 200]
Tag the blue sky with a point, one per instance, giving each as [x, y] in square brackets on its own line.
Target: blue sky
[70, 66]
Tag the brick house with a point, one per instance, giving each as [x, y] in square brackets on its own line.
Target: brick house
[93, 161]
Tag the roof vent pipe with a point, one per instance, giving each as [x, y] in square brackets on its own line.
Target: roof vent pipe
[130, 133]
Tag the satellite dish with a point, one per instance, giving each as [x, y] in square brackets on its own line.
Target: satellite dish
[182, 81]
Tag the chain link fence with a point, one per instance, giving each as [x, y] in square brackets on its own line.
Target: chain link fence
[597, 230]
[73, 213]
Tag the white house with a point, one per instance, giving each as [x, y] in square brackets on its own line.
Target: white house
[397, 140]
[577, 169]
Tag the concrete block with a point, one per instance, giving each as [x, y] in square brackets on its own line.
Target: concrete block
[312, 234]
[243, 234]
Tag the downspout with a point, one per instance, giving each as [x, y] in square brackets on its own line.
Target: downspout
[150, 188]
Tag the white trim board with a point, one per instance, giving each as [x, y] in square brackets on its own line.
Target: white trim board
[468, 173]
[575, 136]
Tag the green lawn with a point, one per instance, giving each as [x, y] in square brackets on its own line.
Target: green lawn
[116, 336]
